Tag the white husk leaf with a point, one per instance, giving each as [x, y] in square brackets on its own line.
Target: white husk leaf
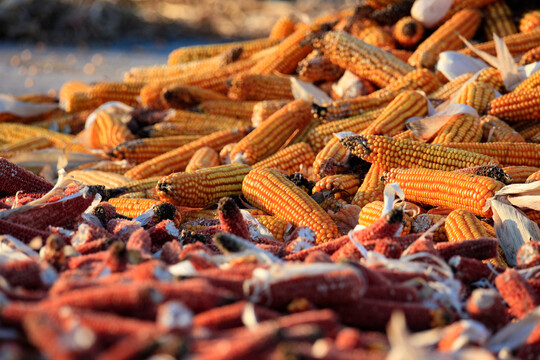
[348, 86]
[43, 157]
[8, 104]
[390, 192]
[453, 64]
[515, 333]
[309, 92]
[430, 12]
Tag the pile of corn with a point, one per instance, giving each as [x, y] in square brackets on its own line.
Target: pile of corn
[230, 204]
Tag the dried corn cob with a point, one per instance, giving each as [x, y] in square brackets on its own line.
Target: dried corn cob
[366, 61]
[290, 159]
[379, 4]
[463, 225]
[205, 157]
[372, 211]
[496, 130]
[458, 5]
[15, 178]
[377, 36]
[333, 154]
[459, 128]
[177, 159]
[506, 154]
[260, 87]
[391, 13]
[531, 56]
[191, 120]
[498, 19]
[132, 207]
[530, 131]
[341, 185]
[95, 177]
[519, 174]
[275, 225]
[273, 133]
[532, 82]
[408, 32]
[66, 123]
[477, 95]
[282, 28]
[517, 44]
[11, 132]
[390, 153]
[170, 129]
[152, 97]
[401, 54]
[101, 93]
[236, 109]
[447, 90]
[263, 109]
[71, 87]
[533, 177]
[422, 222]
[444, 188]
[517, 292]
[273, 193]
[28, 144]
[181, 97]
[202, 187]
[140, 185]
[445, 38]
[372, 188]
[108, 131]
[529, 21]
[316, 67]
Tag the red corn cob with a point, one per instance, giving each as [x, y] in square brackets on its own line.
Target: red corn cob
[130, 347]
[327, 248]
[163, 232]
[423, 244]
[170, 252]
[140, 241]
[529, 255]
[25, 273]
[469, 270]
[401, 293]
[481, 249]
[231, 218]
[486, 306]
[21, 232]
[15, 178]
[518, 294]
[122, 228]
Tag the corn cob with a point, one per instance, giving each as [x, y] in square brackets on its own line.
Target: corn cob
[202, 187]
[390, 153]
[493, 77]
[290, 159]
[236, 109]
[445, 38]
[333, 154]
[71, 87]
[459, 128]
[205, 157]
[517, 106]
[316, 67]
[506, 154]
[101, 93]
[95, 177]
[458, 5]
[371, 189]
[140, 185]
[177, 159]
[422, 222]
[15, 132]
[496, 130]
[108, 131]
[531, 56]
[518, 44]
[533, 177]
[263, 109]
[519, 174]
[28, 144]
[132, 207]
[377, 36]
[476, 95]
[64, 122]
[340, 185]
[439, 188]
[401, 54]
[140, 150]
[532, 82]
[273, 133]
[275, 225]
[200, 123]
[463, 225]
[152, 97]
[273, 193]
[366, 61]
[116, 167]
[530, 131]
[517, 292]
[498, 19]
[286, 55]
[391, 13]
[380, 4]
[447, 90]
[529, 21]
[181, 97]
[392, 120]
[194, 53]
[282, 28]
[170, 129]
[15, 178]
[260, 87]
[408, 32]
[372, 211]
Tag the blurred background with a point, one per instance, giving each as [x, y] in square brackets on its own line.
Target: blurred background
[44, 43]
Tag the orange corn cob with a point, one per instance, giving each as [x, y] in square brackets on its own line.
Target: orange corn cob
[529, 131]
[341, 185]
[64, 122]
[12, 132]
[108, 131]
[260, 87]
[461, 225]
[517, 44]
[445, 38]
[422, 222]
[100, 93]
[530, 56]
[517, 106]
[202, 187]
[316, 67]
[532, 82]
[144, 194]
[379, 4]
[272, 192]
[492, 77]
[443, 188]
[177, 159]
[152, 97]
[263, 109]
[401, 54]
[275, 225]
[372, 211]
[117, 167]
[392, 120]
[394, 153]
[533, 177]
[181, 97]
[333, 152]
[132, 207]
[496, 130]
[140, 150]
[407, 134]
[366, 61]
[282, 28]
[28, 144]
[290, 159]
[498, 19]
[96, 177]
[529, 21]
[170, 129]
[372, 187]
[534, 215]
[273, 133]
[408, 32]
[203, 158]
[71, 87]
[460, 128]
[141, 185]
[377, 36]
[506, 154]
[447, 90]
[476, 95]
[520, 174]
[230, 108]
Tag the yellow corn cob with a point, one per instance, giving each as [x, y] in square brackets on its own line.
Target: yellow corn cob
[28, 144]
[520, 174]
[460, 128]
[517, 106]
[422, 222]
[116, 167]
[79, 101]
[407, 134]
[69, 88]
[458, 5]
[506, 154]
[108, 131]
[132, 207]
[518, 44]
[95, 177]
[263, 109]
[270, 191]
[445, 38]
[140, 150]
[533, 177]
[498, 19]
[377, 36]
[282, 28]
[401, 54]
[230, 108]
[203, 158]
[273, 133]
[200, 52]
[477, 95]
[260, 87]
[285, 57]
[530, 56]
[444, 188]
[275, 225]
[332, 152]
[64, 122]
[492, 77]
[206, 120]
[319, 136]
[301, 135]
[532, 82]
[181, 97]
[447, 90]
[225, 153]
[145, 194]
[392, 120]
[11, 132]
[530, 131]
[372, 187]
[408, 32]
[343, 186]
[496, 130]
[316, 67]
[372, 211]
[202, 187]
[169, 129]
[134, 186]
[462, 225]
[152, 97]
[390, 153]
[366, 61]
[290, 159]
[529, 21]
[177, 159]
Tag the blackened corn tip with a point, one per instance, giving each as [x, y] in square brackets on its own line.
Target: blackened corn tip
[227, 206]
[165, 211]
[395, 215]
[228, 243]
